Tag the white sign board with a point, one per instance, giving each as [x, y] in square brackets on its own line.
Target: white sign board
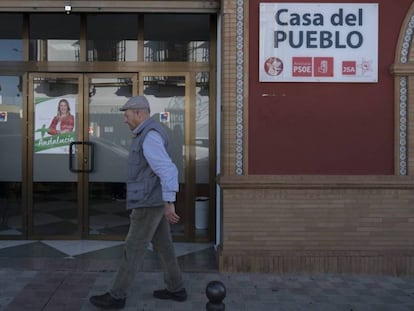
[318, 42]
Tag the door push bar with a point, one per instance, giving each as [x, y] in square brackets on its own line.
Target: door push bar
[91, 157]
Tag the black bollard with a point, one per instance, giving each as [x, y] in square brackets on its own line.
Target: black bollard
[215, 292]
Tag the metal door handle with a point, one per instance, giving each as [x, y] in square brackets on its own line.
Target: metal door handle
[91, 156]
[71, 168]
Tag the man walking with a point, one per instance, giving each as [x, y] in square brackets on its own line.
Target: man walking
[152, 184]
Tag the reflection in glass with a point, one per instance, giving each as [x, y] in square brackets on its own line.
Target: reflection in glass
[10, 156]
[202, 128]
[107, 130]
[11, 49]
[105, 42]
[11, 37]
[111, 138]
[107, 209]
[63, 50]
[55, 209]
[54, 37]
[166, 95]
[176, 37]
[202, 142]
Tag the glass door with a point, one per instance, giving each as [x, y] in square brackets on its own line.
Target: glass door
[169, 98]
[181, 102]
[79, 146]
[12, 116]
[55, 123]
[106, 214]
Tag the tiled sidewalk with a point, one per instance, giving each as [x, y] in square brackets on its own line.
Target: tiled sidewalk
[70, 290]
[62, 275]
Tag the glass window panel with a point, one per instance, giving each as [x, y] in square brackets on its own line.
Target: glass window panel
[202, 128]
[111, 138]
[177, 27]
[107, 129]
[54, 37]
[10, 155]
[176, 37]
[112, 37]
[166, 95]
[54, 26]
[63, 50]
[11, 26]
[11, 34]
[10, 128]
[11, 49]
[51, 139]
[56, 124]
[202, 143]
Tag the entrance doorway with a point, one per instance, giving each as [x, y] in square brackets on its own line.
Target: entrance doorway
[76, 168]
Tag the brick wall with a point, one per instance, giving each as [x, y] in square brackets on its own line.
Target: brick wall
[318, 224]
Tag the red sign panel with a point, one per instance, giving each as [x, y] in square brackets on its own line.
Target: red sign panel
[349, 68]
[323, 67]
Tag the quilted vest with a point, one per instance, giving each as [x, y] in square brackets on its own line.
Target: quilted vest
[143, 185]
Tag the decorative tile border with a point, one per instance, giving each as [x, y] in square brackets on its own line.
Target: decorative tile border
[239, 86]
[403, 126]
[407, 41]
[403, 98]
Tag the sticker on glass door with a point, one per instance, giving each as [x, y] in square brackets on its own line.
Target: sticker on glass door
[54, 124]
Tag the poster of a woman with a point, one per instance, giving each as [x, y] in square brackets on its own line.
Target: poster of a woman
[64, 121]
[54, 124]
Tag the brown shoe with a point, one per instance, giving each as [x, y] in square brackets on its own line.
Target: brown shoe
[181, 295]
[106, 301]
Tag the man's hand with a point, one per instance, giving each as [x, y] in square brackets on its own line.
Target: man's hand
[169, 211]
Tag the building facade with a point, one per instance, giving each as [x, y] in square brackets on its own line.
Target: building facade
[285, 172]
[317, 176]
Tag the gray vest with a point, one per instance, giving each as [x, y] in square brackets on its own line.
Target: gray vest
[143, 185]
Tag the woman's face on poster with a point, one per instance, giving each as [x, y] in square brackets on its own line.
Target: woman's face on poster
[63, 108]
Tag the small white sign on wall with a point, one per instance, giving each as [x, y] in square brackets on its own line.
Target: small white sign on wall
[318, 42]
[108, 129]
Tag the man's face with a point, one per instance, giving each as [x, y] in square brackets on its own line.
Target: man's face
[132, 118]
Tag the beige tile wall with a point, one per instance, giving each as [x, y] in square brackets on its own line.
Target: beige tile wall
[318, 224]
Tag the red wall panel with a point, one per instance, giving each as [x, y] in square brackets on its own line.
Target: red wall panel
[325, 128]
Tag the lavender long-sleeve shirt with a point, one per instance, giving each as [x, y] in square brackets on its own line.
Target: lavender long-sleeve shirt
[162, 165]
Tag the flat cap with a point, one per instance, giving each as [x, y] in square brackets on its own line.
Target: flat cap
[136, 102]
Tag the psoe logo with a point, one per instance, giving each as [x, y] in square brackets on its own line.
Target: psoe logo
[273, 66]
[349, 68]
[302, 66]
